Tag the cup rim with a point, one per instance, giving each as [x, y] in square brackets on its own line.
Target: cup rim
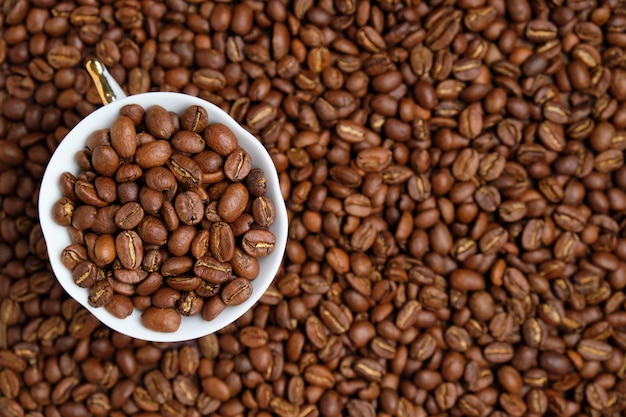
[57, 236]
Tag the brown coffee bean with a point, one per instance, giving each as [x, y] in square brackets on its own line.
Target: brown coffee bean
[63, 56]
[555, 363]
[100, 294]
[159, 122]
[551, 135]
[212, 270]
[256, 182]
[161, 319]
[153, 154]
[120, 306]
[125, 175]
[83, 217]
[129, 249]
[104, 250]
[222, 241]
[186, 171]
[189, 208]
[220, 138]
[187, 141]
[263, 211]
[457, 338]
[152, 231]
[467, 280]
[594, 350]
[85, 274]
[123, 137]
[466, 69]
[596, 396]
[195, 119]
[513, 404]
[151, 201]
[105, 160]
[236, 291]
[368, 368]
[129, 215]
[233, 202]
[237, 165]
[212, 308]
[160, 179]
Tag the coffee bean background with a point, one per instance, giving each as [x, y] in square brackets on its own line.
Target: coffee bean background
[454, 174]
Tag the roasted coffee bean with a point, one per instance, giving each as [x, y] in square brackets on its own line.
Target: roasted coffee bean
[258, 242]
[594, 350]
[233, 202]
[244, 265]
[123, 137]
[220, 139]
[186, 171]
[222, 241]
[100, 293]
[85, 274]
[129, 249]
[237, 165]
[187, 141]
[263, 211]
[256, 182]
[212, 270]
[159, 122]
[189, 208]
[105, 160]
[213, 307]
[195, 119]
[129, 215]
[236, 291]
[120, 306]
[153, 154]
[161, 319]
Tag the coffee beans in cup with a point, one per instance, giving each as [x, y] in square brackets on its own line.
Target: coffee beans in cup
[167, 215]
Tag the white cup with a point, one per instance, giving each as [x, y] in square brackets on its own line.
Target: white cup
[63, 160]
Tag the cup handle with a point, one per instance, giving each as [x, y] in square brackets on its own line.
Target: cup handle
[108, 89]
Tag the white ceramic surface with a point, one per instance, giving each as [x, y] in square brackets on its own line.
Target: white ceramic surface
[57, 237]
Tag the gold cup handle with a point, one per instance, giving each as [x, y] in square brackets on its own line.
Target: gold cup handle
[108, 89]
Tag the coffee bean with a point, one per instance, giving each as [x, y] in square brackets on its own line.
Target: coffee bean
[153, 154]
[189, 208]
[161, 319]
[220, 139]
[222, 241]
[237, 165]
[212, 308]
[129, 248]
[593, 350]
[186, 171]
[105, 160]
[119, 306]
[194, 118]
[467, 280]
[85, 274]
[210, 269]
[187, 141]
[159, 122]
[236, 291]
[123, 137]
[100, 294]
[233, 202]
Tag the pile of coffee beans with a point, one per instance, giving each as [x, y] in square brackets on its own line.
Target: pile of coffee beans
[168, 210]
[455, 183]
